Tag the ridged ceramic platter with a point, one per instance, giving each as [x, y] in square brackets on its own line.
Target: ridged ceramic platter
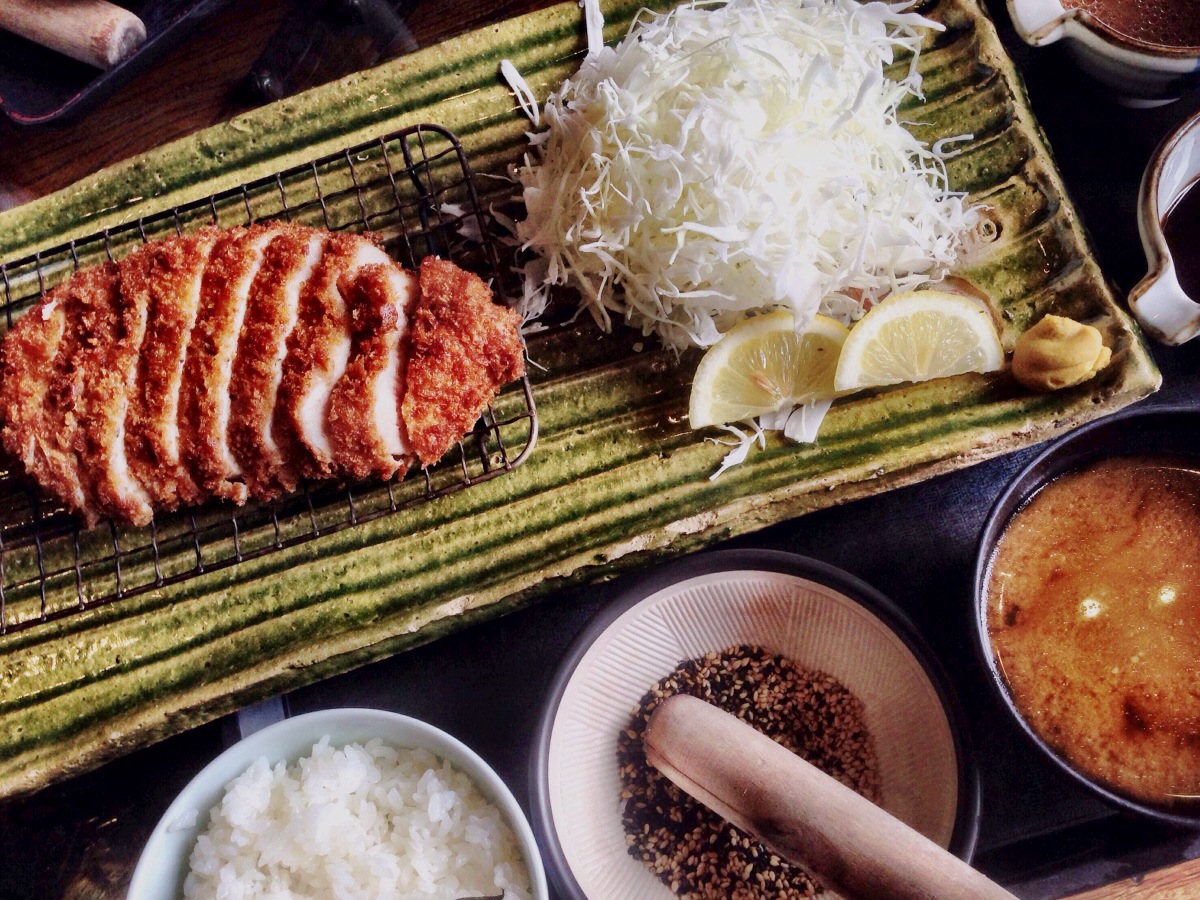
[806, 619]
[616, 480]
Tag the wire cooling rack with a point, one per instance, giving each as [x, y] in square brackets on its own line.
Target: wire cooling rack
[413, 190]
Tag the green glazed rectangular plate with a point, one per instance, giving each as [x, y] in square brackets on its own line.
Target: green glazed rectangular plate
[616, 479]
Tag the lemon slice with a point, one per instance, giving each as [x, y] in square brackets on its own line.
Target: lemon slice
[916, 336]
[762, 366]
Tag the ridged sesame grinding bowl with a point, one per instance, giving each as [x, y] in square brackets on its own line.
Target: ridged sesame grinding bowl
[811, 613]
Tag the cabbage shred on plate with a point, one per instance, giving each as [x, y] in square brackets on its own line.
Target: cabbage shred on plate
[726, 159]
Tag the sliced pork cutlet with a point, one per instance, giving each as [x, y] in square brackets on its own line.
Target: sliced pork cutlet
[463, 348]
[204, 409]
[43, 388]
[110, 363]
[318, 351]
[268, 466]
[165, 276]
[364, 425]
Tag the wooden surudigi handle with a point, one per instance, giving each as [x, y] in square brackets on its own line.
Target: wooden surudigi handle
[92, 31]
[804, 815]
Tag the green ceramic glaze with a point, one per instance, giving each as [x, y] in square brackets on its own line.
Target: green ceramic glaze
[617, 479]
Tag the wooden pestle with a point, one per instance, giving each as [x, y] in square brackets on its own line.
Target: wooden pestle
[804, 815]
[92, 31]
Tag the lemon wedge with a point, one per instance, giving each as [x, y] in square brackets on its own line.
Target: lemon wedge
[763, 366]
[916, 336]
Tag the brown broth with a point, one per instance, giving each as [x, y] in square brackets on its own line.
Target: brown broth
[1181, 230]
[1093, 611]
[1172, 23]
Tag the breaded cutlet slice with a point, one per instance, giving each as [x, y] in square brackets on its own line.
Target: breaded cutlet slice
[42, 389]
[268, 460]
[165, 276]
[108, 359]
[364, 424]
[463, 348]
[318, 351]
[204, 410]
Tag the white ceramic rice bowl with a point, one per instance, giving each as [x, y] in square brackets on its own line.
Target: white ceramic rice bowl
[163, 864]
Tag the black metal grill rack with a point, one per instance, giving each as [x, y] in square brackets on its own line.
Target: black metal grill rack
[413, 189]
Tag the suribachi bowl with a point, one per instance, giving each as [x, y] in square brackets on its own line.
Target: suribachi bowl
[813, 614]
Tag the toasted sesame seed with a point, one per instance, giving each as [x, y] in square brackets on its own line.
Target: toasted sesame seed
[691, 849]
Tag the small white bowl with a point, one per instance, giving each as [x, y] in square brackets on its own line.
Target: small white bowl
[164, 861]
[802, 609]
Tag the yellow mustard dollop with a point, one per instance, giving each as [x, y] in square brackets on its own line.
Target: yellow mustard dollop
[1058, 352]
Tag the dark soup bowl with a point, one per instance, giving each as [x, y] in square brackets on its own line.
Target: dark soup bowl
[1087, 603]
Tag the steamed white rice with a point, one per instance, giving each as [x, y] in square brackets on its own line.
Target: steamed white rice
[356, 822]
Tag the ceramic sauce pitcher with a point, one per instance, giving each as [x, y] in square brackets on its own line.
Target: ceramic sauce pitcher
[1138, 73]
[1159, 302]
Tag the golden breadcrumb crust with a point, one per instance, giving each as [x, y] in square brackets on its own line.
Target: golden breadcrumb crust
[463, 347]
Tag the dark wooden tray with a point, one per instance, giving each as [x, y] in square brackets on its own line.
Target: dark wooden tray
[39, 86]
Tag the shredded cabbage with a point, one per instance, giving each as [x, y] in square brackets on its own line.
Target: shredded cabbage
[725, 159]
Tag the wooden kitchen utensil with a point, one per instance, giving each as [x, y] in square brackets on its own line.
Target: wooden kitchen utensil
[96, 32]
[804, 815]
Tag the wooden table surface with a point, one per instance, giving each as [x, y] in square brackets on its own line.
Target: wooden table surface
[196, 85]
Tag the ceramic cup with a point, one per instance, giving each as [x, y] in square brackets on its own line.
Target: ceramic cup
[1140, 74]
[1161, 306]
